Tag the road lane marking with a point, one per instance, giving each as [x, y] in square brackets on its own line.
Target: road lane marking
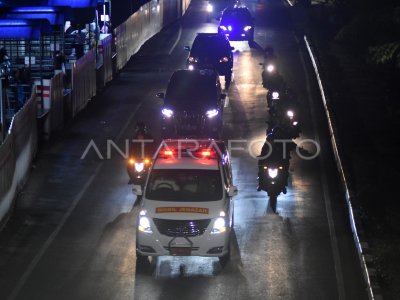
[226, 104]
[177, 40]
[21, 282]
[327, 200]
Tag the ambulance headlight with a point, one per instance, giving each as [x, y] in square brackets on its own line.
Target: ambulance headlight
[139, 167]
[219, 226]
[272, 173]
[144, 225]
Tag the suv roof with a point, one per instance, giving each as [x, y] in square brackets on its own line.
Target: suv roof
[211, 42]
[192, 87]
[241, 13]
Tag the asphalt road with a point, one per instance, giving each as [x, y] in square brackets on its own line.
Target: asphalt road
[72, 234]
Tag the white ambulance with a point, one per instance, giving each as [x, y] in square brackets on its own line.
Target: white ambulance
[187, 202]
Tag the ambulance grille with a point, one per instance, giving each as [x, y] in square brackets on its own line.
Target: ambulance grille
[181, 227]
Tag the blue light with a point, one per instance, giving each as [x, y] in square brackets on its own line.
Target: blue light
[13, 23]
[229, 27]
[34, 9]
[73, 3]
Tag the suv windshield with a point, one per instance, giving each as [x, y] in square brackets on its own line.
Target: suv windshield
[213, 46]
[184, 185]
[186, 91]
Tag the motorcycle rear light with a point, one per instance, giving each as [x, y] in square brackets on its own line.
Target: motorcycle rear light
[168, 153]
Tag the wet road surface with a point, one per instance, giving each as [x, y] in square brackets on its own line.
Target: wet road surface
[72, 235]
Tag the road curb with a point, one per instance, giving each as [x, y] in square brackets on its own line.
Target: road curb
[364, 252]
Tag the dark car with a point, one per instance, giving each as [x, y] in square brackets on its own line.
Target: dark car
[211, 50]
[237, 24]
[193, 105]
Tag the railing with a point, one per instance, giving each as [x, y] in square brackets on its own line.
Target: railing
[16, 154]
[83, 81]
[19, 147]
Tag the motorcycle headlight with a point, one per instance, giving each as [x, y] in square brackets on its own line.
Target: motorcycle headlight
[191, 67]
[212, 113]
[223, 28]
[290, 114]
[247, 28]
[192, 59]
[139, 166]
[275, 95]
[224, 60]
[167, 112]
[272, 173]
[209, 7]
[144, 225]
[219, 226]
[270, 68]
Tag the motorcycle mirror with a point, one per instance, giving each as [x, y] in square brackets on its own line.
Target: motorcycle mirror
[160, 95]
[137, 189]
[232, 191]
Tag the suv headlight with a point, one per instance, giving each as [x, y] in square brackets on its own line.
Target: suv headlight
[212, 113]
[272, 173]
[167, 112]
[224, 60]
[219, 226]
[144, 225]
[247, 28]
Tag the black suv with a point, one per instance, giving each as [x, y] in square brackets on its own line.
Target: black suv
[193, 105]
[237, 24]
[211, 50]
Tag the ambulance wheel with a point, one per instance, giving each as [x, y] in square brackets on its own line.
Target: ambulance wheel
[223, 260]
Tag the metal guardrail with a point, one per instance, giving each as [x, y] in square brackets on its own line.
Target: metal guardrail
[348, 193]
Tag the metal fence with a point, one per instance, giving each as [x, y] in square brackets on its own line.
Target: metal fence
[16, 154]
[83, 81]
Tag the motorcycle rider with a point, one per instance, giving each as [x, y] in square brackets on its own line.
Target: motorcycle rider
[142, 149]
[284, 112]
[275, 149]
[271, 78]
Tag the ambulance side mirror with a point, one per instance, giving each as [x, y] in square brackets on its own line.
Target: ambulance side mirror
[232, 191]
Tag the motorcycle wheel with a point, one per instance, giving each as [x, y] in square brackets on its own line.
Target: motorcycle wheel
[272, 202]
